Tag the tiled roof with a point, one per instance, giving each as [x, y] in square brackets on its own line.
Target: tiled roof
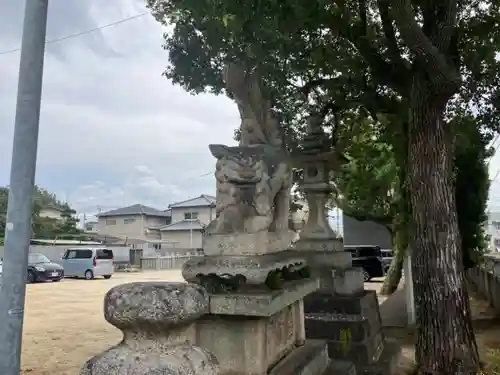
[136, 209]
[203, 200]
[183, 225]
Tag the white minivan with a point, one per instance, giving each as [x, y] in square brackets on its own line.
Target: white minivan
[88, 262]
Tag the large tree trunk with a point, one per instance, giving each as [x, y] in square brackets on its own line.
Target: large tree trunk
[393, 276]
[446, 343]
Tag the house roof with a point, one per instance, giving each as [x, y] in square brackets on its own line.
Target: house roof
[182, 225]
[136, 209]
[203, 200]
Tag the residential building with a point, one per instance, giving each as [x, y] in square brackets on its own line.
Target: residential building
[91, 226]
[189, 219]
[137, 222]
[52, 212]
[493, 230]
[180, 226]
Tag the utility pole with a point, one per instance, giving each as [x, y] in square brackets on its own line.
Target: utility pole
[21, 188]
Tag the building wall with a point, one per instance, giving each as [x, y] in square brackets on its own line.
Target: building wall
[50, 213]
[205, 214]
[122, 226]
[181, 239]
[365, 233]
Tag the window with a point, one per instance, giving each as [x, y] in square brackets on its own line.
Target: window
[496, 225]
[190, 215]
[129, 220]
[83, 254]
[110, 222]
[104, 254]
[168, 221]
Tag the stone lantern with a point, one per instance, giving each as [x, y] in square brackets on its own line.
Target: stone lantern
[341, 305]
[318, 159]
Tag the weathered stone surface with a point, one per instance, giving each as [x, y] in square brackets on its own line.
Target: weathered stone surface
[252, 345]
[157, 321]
[263, 303]
[320, 245]
[353, 328]
[158, 304]
[348, 281]
[247, 243]
[309, 359]
[255, 268]
[364, 303]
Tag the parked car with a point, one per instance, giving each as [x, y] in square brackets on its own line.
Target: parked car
[88, 262]
[387, 255]
[40, 268]
[369, 258]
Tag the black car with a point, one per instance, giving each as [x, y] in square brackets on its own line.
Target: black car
[387, 255]
[40, 268]
[369, 258]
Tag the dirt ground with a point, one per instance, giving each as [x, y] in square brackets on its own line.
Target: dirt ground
[64, 323]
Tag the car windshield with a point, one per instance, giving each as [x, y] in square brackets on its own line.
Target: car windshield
[37, 259]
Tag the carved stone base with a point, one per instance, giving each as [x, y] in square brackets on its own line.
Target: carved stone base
[352, 326]
[251, 269]
[262, 333]
[325, 258]
[319, 244]
[247, 243]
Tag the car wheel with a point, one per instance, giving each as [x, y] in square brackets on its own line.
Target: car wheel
[89, 275]
[107, 277]
[31, 277]
[366, 276]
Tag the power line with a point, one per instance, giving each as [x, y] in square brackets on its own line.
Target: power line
[82, 32]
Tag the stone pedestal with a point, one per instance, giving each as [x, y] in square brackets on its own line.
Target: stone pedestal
[159, 332]
[261, 333]
[351, 323]
[255, 324]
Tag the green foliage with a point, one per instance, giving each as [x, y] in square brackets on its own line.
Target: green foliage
[43, 227]
[472, 184]
[367, 185]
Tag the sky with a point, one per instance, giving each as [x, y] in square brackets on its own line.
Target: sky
[113, 130]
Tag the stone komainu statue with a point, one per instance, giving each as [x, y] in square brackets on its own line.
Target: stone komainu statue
[254, 178]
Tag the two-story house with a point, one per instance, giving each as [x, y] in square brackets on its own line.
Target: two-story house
[52, 212]
[133, 222]
[189, 218]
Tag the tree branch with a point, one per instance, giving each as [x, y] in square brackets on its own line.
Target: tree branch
[439, 71]
[392, 42]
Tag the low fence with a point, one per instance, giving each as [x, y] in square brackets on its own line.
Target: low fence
[486, 280]
[164, 262]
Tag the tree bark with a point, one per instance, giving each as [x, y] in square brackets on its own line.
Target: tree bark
[446, 344]
[393, 276]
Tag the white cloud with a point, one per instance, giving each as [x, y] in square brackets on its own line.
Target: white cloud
[113, 130]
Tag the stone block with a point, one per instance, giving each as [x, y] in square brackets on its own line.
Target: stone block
[238, 244]
[362, 354]
[261, 302]
[325, 258]
[348, 281]
[339, 327]
[254, 268]
[309, 359]
[331, 245]
[338, 367]
[364, 303]
[158, 324]
[252, 345]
